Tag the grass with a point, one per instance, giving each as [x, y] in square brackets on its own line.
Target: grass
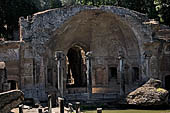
[130, 111]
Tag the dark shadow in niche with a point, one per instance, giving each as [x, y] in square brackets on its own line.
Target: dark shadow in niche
[112, 73]
[13, 84]
[167, 82]
[135, 74]
[76, 67]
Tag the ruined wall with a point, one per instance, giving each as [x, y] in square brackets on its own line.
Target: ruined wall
[2, 75]
[21, 68]
[10, 54]
[32, 79]
[158, 47]
[60, 29]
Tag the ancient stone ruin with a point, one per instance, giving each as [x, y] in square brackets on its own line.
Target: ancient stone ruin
[85, 52]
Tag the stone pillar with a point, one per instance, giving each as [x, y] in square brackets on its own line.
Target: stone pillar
[99, 110]
[6, 86]
[61, 105]
[60, 57]
[49, 104]
[89, 71]
[77, 107]
[20, 109]
[70, 106]
[53, 99]
[39, 110]
[147, 56]
[122, 77]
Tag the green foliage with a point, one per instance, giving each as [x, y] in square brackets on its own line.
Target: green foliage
[144, 6]
[68, 2]
[163, 9]
[55, 4]
[155, 9]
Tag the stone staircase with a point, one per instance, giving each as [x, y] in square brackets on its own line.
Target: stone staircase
[95, 97]
[103, 94]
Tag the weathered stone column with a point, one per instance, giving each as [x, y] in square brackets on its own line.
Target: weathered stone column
[147, 56]
[20, 109]
[89, 71]
[49, 104]
[60, 57]
[70, 106]
[122, 77]
[39, 110]
[99, 110]
[61, 105]
[77, 107]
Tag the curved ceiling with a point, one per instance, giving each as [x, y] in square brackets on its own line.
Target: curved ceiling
[102, 32]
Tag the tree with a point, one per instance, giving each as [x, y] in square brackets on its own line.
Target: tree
[68, 2]
[55, 3]
[11, 10]
[155, 9]
[163, 8]
[144, 6]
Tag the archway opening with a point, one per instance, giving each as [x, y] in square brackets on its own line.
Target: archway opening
[167, 83]
[76, 67]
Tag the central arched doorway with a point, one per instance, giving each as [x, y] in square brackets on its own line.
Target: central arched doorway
[76, 70]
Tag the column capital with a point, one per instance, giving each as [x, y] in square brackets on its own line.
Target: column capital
[147, 54]
[60, 99]
[121, 55]
[89, 54]
[59, 55]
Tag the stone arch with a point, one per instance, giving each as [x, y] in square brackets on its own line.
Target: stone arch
[43, 24]
[103, 33]
[70, 33]
[78, 44]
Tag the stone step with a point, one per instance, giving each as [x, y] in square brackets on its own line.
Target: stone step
[94, 97]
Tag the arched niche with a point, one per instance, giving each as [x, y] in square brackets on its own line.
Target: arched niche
[100, 31]
[103, 33]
